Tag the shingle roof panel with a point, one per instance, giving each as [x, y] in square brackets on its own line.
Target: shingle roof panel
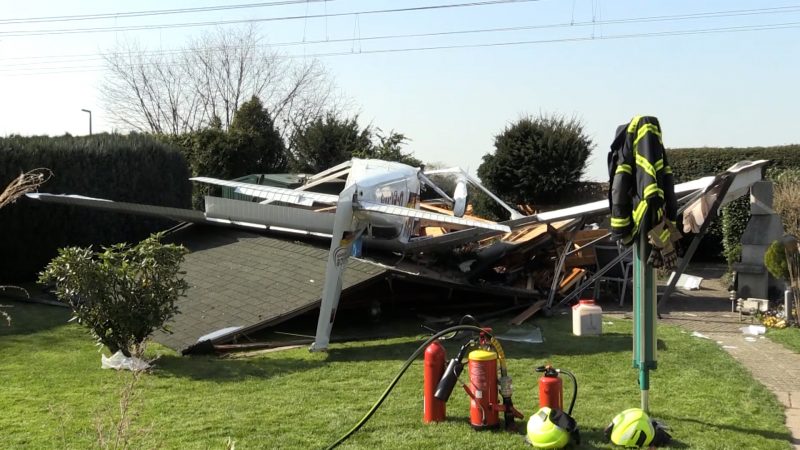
[239, 278]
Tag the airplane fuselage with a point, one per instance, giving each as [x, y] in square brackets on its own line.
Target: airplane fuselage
[388, 183]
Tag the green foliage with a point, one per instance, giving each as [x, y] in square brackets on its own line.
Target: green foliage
[735, 216]
[788, 337]
[132, 168]
[775, 261]
[331, 140]
[251, 145]
[389, 148]
[327, 142]
[536, 160]
[121, 294]
[257, 130]
[690, 163]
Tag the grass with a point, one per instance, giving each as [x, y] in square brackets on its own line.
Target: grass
[53, 392]
[788, 337]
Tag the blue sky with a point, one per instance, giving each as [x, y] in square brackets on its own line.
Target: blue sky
[709, 89]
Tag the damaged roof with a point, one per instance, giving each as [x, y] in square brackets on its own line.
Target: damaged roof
[241, 281]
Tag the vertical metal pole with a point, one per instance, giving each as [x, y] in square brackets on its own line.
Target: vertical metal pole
[644, 314]
[90, 119]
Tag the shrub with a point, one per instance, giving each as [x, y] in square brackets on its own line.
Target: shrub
[328, 141]
[775, 260]
[121, 294]
[133, 168]
[536, 160]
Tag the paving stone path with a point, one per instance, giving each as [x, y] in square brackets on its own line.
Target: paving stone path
[708, 312]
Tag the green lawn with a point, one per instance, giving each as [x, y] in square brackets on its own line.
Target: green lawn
[53, 392]
[788, 337]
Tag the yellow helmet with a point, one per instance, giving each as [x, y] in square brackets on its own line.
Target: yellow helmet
[631, 428]
[543, 431]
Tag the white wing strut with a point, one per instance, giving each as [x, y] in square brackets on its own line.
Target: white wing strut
[344, 233]
[477, 183]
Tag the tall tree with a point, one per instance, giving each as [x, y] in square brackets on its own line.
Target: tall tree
[536, 159]
[210, 77]
[389, 147]
[253, 122]
[332, 140]
[328, 141]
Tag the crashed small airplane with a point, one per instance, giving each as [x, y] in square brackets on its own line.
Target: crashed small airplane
[380, 203]
[381, 199]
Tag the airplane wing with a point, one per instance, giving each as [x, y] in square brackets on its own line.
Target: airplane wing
[428, 217]
[178, 214]
[746, 173]
[292, 196]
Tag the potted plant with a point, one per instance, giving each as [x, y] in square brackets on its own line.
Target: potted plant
[777, 263]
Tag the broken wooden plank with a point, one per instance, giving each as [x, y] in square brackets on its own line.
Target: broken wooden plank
[525, 315]
[571, 280]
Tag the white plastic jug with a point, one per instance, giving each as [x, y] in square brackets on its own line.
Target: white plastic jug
[587, 318]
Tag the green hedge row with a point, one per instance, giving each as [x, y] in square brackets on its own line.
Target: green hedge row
[132, 168]
[724, 236]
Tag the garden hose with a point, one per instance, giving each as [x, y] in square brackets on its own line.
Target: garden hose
[403, 369]
[574, 389]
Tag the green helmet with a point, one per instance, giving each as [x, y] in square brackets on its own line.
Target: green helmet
[631, 428]
[544, 431]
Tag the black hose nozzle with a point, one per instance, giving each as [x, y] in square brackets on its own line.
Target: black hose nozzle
[449, 379]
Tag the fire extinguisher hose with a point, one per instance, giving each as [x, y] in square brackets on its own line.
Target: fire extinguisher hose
[403, 370]
[574, 390]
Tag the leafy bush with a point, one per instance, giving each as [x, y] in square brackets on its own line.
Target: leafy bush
[536, 160]
[132, 168]
[252, 144]
[328, 141]
[332, 140]
[121, 294]
[775, 260]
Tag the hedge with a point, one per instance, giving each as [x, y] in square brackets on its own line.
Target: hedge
[690, 163]
[132, 168]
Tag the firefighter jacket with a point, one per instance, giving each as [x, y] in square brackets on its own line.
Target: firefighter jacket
[641, 190]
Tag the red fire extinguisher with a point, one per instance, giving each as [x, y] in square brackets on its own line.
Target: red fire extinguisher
[483, 382]
[433, 409]
[483, 407]
[551, 388]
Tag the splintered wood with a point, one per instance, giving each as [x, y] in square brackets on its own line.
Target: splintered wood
[24, 183]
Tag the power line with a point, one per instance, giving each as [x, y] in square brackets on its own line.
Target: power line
[745, 28]
[155, 12]
[630, 20]
[45, 32]
[735, 29]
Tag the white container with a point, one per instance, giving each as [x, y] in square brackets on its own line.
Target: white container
[587, 318]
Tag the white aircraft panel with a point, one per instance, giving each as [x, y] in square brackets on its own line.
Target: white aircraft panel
[270, 215]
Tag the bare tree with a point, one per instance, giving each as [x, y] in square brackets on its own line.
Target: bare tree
[179, 91]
